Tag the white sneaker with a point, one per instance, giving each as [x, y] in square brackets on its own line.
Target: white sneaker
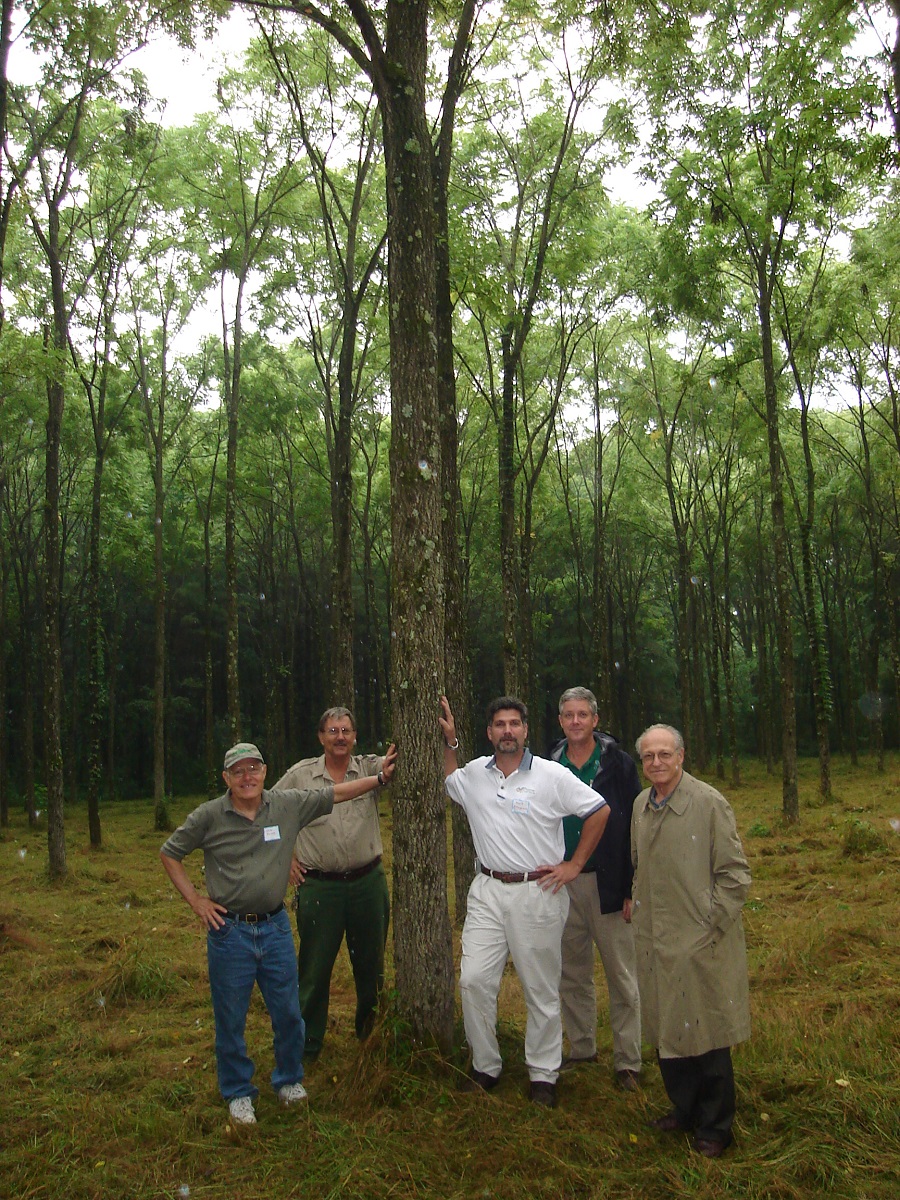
[292, 1093]
[241, 1110]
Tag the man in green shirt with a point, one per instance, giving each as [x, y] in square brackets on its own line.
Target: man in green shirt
[600, 897]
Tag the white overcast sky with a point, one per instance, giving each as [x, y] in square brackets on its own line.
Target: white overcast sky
[186, 80]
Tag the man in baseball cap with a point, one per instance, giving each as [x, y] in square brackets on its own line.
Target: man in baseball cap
[247, 837]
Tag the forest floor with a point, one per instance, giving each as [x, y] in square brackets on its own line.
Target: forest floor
[107, 1072]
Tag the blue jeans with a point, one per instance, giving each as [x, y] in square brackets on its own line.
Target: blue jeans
[239, 955]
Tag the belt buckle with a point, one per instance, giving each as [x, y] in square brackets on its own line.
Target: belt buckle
[252, 918]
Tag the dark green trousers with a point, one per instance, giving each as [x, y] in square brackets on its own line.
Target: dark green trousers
[327, 912]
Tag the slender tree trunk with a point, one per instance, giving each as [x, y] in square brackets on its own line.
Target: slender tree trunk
[53, 680]
[820, 677]
[601, 624]
[875, 705]
[114, 644]
[96, 669]
[783, 624]
[4, 743]
[509, 567]
[232, 375]
[765, 727]
[342, 615]
[28, 761]
[6, 14]
[728, 674]
[160, 808]
[209, 711]
[456, 640]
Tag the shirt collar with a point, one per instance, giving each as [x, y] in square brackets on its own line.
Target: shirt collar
[675, 800]
[595, 755]
[524, 765]
[263, 803]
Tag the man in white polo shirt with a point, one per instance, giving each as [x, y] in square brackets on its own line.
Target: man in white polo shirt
[517, 903]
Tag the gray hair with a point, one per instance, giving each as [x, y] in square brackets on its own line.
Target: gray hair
[676, 734]
[335, 714]
[579, 693]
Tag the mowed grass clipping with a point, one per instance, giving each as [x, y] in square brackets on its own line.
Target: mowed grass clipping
[107, 1072]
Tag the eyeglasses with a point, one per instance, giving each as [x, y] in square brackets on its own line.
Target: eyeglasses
[663, 756]
[334, 731]
[250, 769]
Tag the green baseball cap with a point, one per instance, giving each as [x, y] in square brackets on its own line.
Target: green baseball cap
[242, 750]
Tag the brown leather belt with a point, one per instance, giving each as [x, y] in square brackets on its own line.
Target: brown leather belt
[343, 876]
[516, 876]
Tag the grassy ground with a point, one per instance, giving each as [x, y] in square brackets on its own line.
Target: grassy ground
[107, 1075]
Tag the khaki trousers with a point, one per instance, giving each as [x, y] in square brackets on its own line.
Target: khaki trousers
[587, 927]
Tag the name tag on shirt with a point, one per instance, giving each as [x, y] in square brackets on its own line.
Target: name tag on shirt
[271, 833]
[521, 805]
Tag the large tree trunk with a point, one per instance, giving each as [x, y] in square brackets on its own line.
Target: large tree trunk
[422, 942]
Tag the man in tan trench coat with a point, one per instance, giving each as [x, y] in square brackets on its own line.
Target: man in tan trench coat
[691, 880]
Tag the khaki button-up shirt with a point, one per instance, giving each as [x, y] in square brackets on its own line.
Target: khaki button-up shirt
[350, 836]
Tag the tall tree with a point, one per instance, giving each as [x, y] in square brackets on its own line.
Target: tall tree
[47, 148]
[324, 97]
[527, 175]
[389, 45]
[241, 183]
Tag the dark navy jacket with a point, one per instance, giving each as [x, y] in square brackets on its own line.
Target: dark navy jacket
[618, 783]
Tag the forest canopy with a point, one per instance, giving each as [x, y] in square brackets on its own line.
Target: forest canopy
[669, 439]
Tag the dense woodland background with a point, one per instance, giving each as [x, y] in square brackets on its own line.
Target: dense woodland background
[670, 467]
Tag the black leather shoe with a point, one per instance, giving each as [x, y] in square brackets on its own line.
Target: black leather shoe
[542, 1093]
[478, 1081]
[667, 1124]
[708, 1147]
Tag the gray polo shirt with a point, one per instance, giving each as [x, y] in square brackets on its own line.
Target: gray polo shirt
[248, 862]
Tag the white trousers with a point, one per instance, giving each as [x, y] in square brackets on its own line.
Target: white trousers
[522, 921]
[587, 927]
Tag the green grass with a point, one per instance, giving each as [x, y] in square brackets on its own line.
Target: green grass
[107, 1074]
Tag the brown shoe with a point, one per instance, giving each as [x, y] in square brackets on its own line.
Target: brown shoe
[628, 1081]
[542, 1093]
[708, 1147]
[478, 1081]
[569, 1064]
[667, 1124]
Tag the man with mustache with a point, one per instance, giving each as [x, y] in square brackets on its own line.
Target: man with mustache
[342, 890]
[517, 902]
